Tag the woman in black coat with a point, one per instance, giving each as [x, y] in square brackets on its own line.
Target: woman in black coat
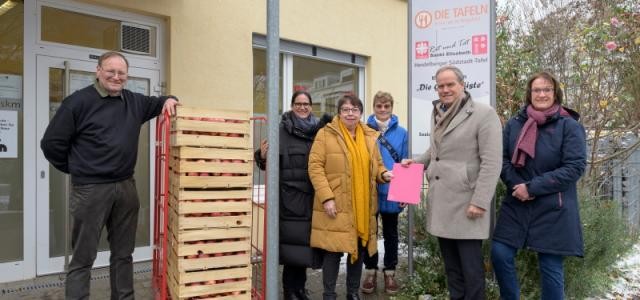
[298, 128]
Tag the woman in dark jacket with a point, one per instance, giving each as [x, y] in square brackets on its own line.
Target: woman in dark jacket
[298, 128]
[544, 156]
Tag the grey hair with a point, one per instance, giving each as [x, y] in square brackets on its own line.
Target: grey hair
[111, 54]
[453, 69]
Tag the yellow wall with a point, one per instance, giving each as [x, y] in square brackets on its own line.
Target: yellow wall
[210, 53]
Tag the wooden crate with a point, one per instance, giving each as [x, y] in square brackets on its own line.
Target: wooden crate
[211, 176]
[210, 214]
[211, 248]
[206, 290]
[208, 167]
[180, 181]
[210, 182]
[214, 262]
[211, 128]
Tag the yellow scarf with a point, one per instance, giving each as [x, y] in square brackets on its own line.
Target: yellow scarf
[360, 198]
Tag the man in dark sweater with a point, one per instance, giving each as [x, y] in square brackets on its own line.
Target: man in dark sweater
[94, 137]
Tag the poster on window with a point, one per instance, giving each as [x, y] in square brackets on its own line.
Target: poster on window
[138, 85]
[8, 134]
[455, 32]
[80, 79]
[10, 92]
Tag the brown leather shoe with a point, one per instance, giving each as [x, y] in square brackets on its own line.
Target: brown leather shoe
[390, 284]
[369, 282]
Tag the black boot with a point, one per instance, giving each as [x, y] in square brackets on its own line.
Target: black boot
[290, 295]
[302, 294]
[353, 296]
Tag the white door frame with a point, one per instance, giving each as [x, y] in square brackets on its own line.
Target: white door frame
[33, 46]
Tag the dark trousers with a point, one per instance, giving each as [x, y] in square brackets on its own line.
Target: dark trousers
[331, 266]
[293, 278]
[92, 206]
[390, 235]
[464, 266]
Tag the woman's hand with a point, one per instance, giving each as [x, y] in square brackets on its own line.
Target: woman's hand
[406, 162]
[387, 176]
[521, 193]
[264, 147]
[330, 208]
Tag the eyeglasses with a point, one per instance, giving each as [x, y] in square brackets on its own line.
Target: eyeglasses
[543, 90]
[448, 85]
[113, 73]
[301, 104]
[387, 106]
[353, 110]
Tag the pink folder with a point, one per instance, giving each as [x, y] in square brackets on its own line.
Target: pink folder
[406, 183]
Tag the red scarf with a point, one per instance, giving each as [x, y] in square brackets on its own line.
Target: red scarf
[526, 143]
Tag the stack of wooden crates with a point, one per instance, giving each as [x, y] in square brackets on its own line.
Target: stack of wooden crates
[210, 205]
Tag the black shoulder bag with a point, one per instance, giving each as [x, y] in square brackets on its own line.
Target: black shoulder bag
[386, 144]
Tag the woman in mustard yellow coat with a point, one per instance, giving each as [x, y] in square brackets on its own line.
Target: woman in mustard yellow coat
[344, 168]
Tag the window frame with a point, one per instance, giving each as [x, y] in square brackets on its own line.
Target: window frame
[291, 49]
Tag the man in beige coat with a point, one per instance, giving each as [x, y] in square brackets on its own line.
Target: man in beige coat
[463, 165]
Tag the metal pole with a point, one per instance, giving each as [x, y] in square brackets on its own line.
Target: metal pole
[492, 48]
[273, 69]
[67, 180]
[410, 100]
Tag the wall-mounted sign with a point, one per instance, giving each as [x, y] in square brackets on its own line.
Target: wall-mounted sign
[8, 134]
[454, 32]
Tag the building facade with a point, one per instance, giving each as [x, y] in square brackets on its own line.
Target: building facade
[210, 53]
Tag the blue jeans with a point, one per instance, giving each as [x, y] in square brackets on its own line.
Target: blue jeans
[551, 272]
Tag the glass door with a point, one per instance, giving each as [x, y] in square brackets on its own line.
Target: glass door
[56, 78]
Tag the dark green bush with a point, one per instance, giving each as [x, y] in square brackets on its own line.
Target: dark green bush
[606, 238]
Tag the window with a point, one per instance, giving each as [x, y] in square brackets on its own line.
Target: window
[326, 74]
[73, 28]
[260, 82]
[324, 81]
[11, 101]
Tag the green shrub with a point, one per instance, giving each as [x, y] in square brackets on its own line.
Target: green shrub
[429, 276]
[606, 239]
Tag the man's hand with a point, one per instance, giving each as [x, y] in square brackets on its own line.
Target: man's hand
[406, 162]
[330, 208]
[264, 147]
[521, 192]
[474, 212]
[170, 106]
